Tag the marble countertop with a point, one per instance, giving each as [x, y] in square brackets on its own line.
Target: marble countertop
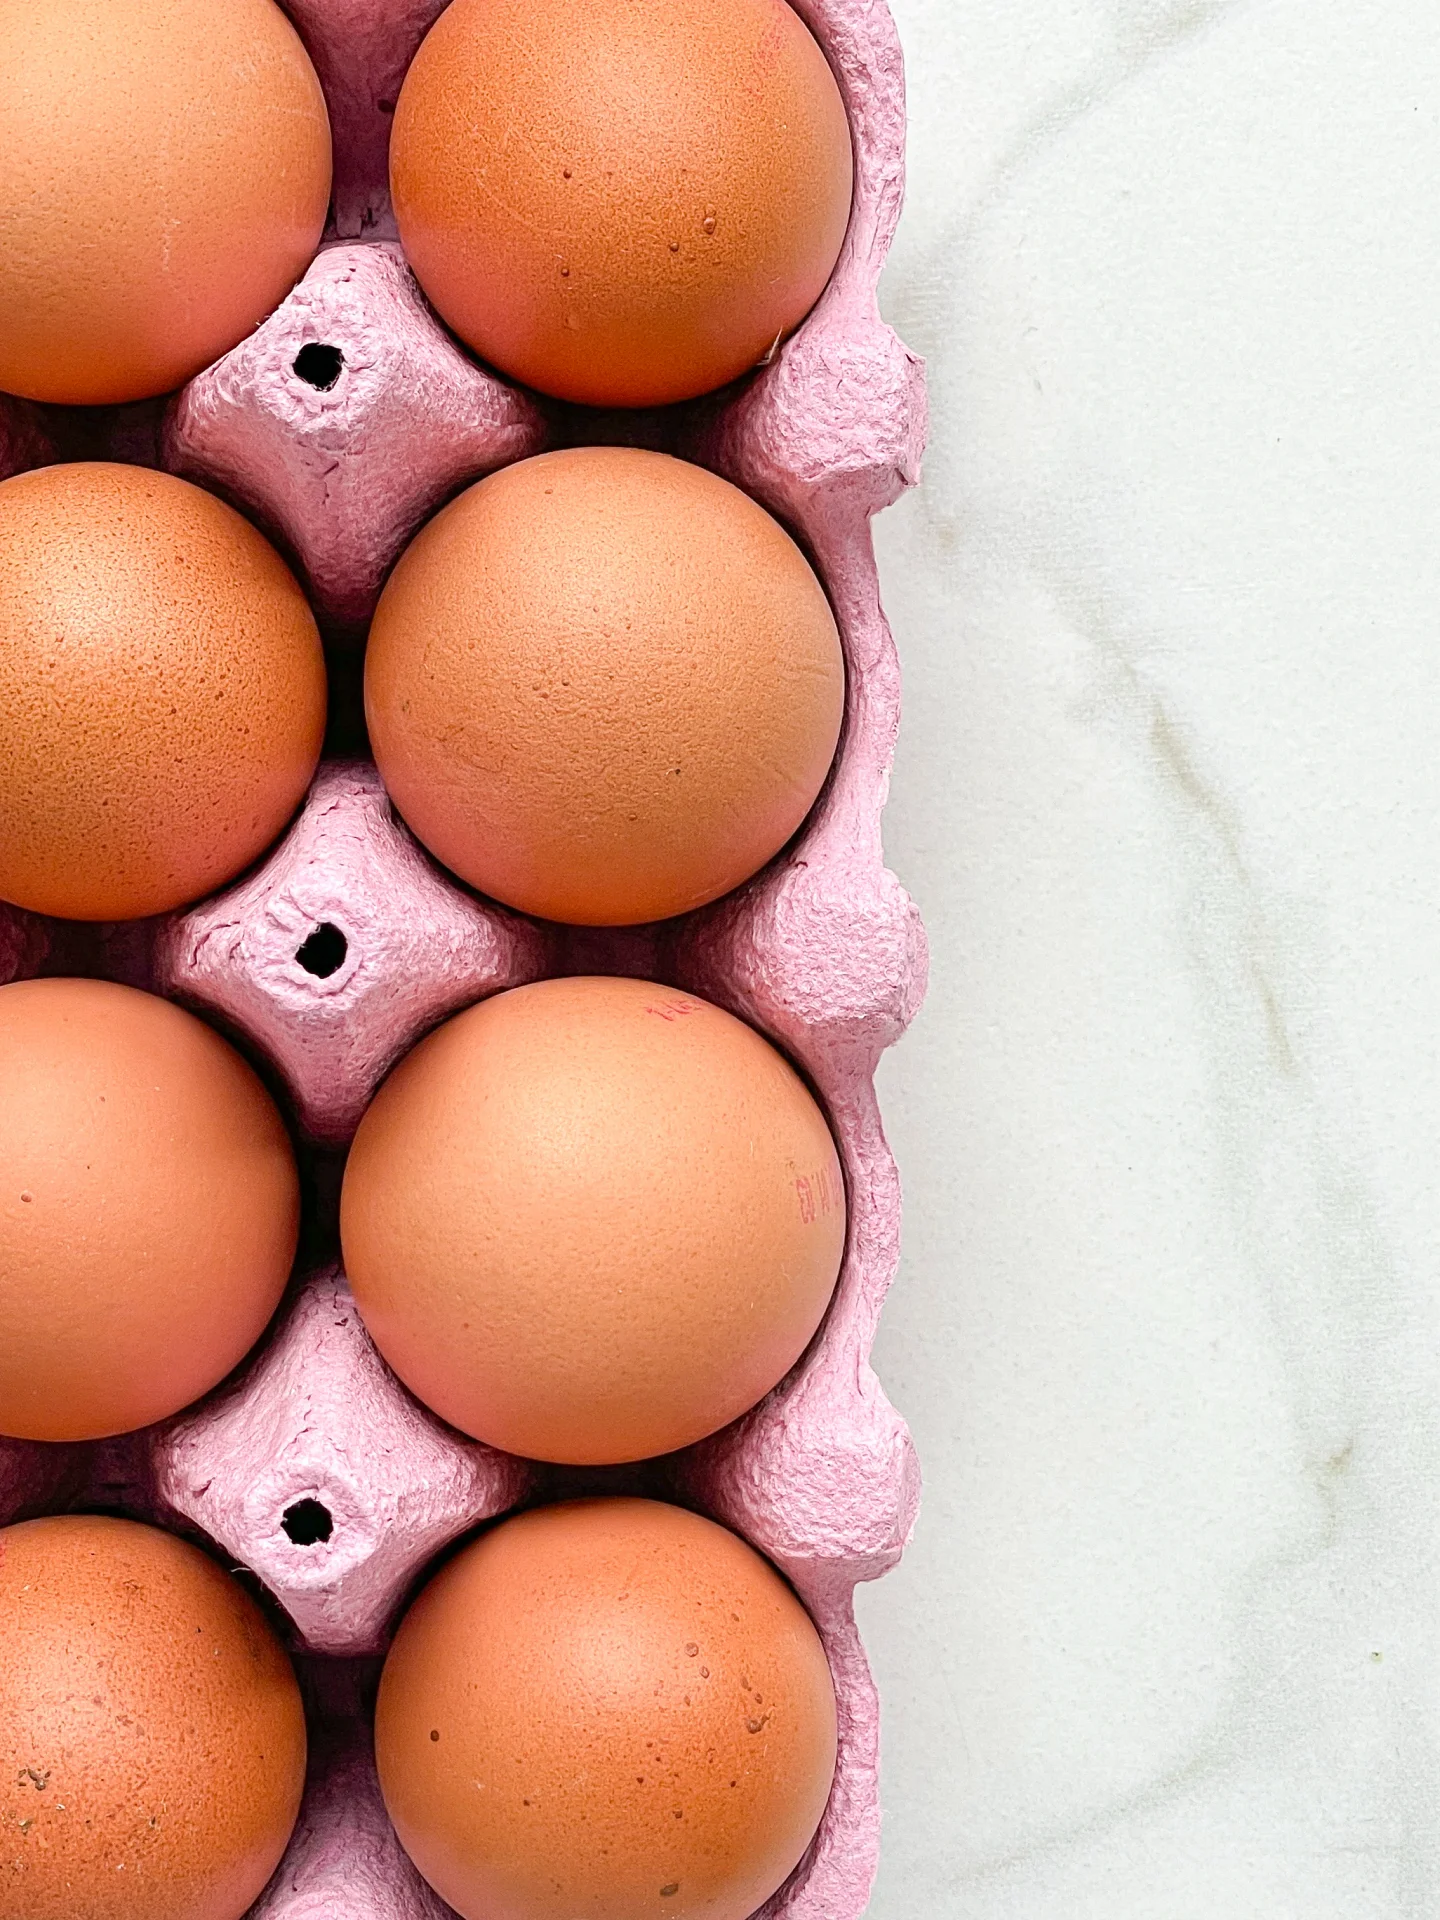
[1168, 793]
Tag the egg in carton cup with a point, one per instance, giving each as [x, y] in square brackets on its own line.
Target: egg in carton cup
[339, 426]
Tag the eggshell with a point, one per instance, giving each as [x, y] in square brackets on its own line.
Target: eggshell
[149, 1207]
[162, 691]
[611, 1708]
[625, 203]
[592, 1219]
[152, 1740]
[604, 686]
[164, 175]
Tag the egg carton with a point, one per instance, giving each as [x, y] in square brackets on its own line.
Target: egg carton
[339, 426]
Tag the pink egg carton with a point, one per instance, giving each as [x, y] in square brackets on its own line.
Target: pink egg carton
[339, 425]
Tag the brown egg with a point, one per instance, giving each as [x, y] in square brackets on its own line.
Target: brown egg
[152, 1742]
[627, 202]
[604, 686]
[611, 1708]
[149, 1209]
[162, 692]
[592, 1219]
[164, 176]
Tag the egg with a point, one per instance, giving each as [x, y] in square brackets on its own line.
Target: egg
[604, 686]
[149, 1209]
[624, 203]
[592, 1219]
[164, 177]
[162, 692]
[152, 1741]
[609, 1708]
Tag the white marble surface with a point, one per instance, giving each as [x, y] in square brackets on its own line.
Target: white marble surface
[1168, 792]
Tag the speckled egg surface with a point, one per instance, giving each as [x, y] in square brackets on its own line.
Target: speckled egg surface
[152, 1739]
[626, 203]
[164, 175]
[604, 686]
[162, 691]
[149, 1209]
[611, 1709]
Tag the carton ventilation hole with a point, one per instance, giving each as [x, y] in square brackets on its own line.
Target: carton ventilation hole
[307, 1523]
[323, 951]
[319, 365]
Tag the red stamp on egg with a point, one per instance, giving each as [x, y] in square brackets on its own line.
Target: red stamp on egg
[819, 1193]
[674, 1009]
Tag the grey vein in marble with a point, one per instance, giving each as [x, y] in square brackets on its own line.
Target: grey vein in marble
[1169, 796]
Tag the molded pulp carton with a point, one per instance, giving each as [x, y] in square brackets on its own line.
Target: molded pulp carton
[312, 1468]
